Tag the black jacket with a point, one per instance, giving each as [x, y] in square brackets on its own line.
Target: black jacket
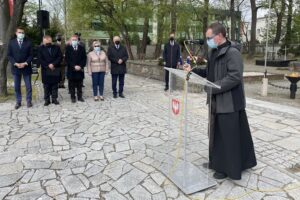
[16, 54]
[171, 54]
[73, 58]
[46, 56]
[114, 55]
[228, 73]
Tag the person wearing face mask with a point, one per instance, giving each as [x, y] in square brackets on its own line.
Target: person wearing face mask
[50, 58]
[117, 54]
[20, 55]
[231, 147]
[171, 56]
[61, 44]
[97, 65]
[75, 57]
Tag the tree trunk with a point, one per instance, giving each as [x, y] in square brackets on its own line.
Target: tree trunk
[233, 21]
[11, 24]
[289, 24]
[160, 29]
[173, 15]
[127, 43]
[145, 38]
[205, 25]
[4, 18]
[252, 44]
[279, 22]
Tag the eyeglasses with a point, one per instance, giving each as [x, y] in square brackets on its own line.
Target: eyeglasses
[209, 38]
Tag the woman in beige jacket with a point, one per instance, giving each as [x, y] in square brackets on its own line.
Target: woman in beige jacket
[97, 65]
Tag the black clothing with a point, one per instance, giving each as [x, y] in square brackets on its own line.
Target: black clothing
[51, 90]
[75, 57]
[20, 53]
[114, 54]
[76, 84]
[231, 147]
[50, 55]
[171, 54]
[121, 78]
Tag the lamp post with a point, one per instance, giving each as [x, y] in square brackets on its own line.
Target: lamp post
[264, 90]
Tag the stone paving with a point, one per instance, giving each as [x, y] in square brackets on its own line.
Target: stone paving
[108, 150]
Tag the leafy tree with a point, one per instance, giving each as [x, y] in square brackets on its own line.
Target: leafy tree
[9, 24]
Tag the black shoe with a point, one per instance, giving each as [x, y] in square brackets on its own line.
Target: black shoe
[29, 104]
[207, 165]
[121, 95]
[219, 175]
[115, 96]
[17, 106]
[81, 99]
[73, 100]
[47, 103]
[166, 89]
[55, 102]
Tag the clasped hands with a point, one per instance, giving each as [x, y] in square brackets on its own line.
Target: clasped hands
[21, 65]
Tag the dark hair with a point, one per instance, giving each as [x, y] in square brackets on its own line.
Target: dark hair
[19, 27]
[217, 28]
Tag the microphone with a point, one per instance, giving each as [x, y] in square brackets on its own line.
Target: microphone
[199, 41]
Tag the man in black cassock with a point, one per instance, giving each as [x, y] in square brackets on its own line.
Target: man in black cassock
[231, 147]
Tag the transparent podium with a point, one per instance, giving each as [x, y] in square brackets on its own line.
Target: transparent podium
[186, 149]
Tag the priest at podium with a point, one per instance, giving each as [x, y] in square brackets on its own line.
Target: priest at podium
[231, 147]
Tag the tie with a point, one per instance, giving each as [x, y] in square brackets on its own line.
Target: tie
[49, 49]
[20, 43]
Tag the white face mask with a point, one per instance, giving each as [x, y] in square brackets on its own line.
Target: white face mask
[20, 36]
[74, 43]
[97, 49]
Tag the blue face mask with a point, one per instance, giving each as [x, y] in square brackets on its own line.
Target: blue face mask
[97, 49]
[211, 43]
[74, 43]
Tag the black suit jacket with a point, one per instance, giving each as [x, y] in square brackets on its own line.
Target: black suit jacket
[73, 58]
[16, 54]
[171, 54]
[114, 55]
[53, 57]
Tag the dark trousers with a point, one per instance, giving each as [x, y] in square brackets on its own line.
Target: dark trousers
[62, 74]
[98, 83]
[50, 90]
[167, 77]
[17, 83]
[75, 85]
[121, 83]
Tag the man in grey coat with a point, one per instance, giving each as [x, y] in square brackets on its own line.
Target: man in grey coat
[231, 147]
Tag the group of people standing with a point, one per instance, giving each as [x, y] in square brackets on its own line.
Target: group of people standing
[231, 149]
[55, 58]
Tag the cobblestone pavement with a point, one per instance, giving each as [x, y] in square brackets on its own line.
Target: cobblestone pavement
[107, 150]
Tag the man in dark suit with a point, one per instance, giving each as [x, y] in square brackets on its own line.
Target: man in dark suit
[50, 57]
[171, 56]
[20, 56]
[75, 56]
[117, 54]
